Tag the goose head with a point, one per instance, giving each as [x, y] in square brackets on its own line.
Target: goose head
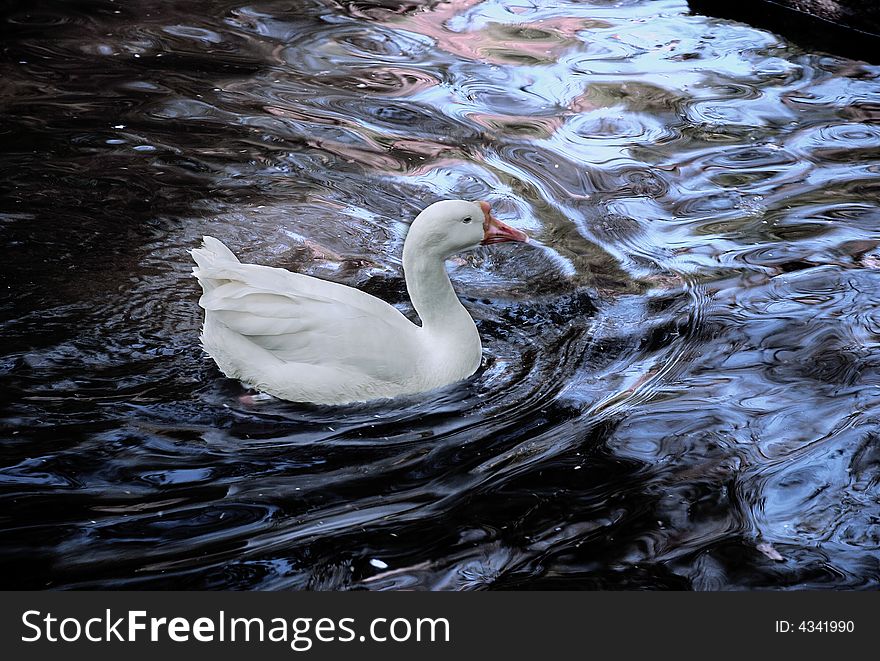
[451, 226]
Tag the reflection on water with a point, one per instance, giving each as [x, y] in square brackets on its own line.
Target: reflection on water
[680, 381]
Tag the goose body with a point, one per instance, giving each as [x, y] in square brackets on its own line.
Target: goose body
[304, 339]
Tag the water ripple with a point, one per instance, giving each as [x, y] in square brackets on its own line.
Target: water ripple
[680, 377]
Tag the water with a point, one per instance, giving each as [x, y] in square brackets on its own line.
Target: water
[680, 380]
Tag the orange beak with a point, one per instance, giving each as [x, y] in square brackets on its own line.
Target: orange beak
[494, 231]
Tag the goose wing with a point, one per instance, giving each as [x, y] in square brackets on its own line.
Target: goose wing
[300, 319]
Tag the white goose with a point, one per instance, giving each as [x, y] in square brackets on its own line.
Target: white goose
[308, 340]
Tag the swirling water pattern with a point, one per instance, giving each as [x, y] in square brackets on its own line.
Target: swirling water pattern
[680, 384]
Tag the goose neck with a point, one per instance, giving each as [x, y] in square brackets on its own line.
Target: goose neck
[431, 291]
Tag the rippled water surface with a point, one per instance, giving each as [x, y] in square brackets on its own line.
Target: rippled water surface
[680, 385]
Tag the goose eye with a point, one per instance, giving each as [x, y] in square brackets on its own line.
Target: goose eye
[467, 220]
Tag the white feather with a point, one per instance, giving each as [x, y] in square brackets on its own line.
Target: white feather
[304, 339]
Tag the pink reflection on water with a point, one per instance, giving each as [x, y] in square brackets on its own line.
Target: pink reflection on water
[537, 127]
[427, 148]
[539, 42]
[395, 81]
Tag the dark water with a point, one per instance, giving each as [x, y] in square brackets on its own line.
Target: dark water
[680, 391]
